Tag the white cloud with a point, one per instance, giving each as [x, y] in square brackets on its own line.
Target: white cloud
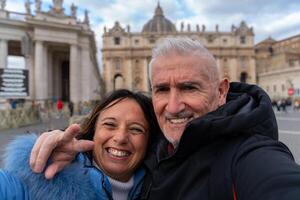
[267, 17]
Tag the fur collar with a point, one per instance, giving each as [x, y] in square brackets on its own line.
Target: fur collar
[71, 183]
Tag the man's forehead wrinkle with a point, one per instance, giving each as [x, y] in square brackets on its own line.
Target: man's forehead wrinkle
[172, 66]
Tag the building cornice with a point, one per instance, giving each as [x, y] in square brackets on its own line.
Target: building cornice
[279, 72]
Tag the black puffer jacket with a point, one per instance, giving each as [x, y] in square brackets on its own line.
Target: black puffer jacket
[235, 146]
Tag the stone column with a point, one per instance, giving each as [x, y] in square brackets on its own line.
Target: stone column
[145, 75]
[50, 73]
[233, 69]
[40, 75]
[75, 77]
[56, 78]
[108, 75]
[252, 70]
[220, 67]
[30, 68]
[3, 53]
[129, 73]
[45, 71]
[85, 75]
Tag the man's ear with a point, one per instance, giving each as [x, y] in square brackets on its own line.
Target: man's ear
[223, 90]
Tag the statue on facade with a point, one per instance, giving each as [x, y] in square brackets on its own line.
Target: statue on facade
[104, 29]
[73, 11]
[217, 28]
[3, 4]
[86, 17]
[182, 26]
[197, 28]
[57, 4]
[189, 28]
[203, 28]
[233, 28]
[27, 7]
[57, 8]
[38, 5]
[128, 28]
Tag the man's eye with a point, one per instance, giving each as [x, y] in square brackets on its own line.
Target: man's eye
[161, 89]
[189, 87]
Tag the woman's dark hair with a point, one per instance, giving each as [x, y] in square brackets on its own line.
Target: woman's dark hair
[89, 125]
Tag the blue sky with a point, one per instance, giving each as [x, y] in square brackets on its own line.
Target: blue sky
[276, 18]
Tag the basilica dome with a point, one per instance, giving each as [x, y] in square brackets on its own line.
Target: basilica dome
[159, 23]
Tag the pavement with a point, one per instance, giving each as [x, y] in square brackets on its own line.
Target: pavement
[289, 130]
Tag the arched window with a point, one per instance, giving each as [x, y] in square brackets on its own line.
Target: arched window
[118, 82]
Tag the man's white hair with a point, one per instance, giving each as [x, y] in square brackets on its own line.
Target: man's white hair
[184, 46]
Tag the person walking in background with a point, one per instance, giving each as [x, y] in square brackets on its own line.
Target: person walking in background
[71, 108]
[296, 104]
[59, 107]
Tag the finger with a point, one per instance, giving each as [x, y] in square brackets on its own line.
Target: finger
[45, 150]
[70, 133]
[77, 146]
[51, 171]
[55, 168]
[49, 142]
[59, 161]
[36, 149]
[58, 156]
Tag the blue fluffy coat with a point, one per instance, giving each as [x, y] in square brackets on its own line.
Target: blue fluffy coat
[71, 183]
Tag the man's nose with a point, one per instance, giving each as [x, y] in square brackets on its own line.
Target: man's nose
[121, 136]
[175, 103]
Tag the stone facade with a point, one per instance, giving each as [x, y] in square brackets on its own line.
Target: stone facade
[126, 54]
[59, 52]
[278, 66]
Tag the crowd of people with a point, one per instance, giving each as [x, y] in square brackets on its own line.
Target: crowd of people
[283, 103]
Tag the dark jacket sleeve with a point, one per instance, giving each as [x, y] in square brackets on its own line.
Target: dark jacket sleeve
[266, 170]
[11, 187]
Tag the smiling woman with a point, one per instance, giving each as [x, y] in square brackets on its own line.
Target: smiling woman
[120, 139]
[120, 128]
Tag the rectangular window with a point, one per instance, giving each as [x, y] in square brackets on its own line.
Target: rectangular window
[243, 40]
[152, 41]
[117, 40]
[282, 87]
[117, 65]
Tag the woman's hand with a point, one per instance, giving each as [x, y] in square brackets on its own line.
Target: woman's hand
[62, 146]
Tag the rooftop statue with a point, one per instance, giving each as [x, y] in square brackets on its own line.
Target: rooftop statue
[57, 4]
[3, 4]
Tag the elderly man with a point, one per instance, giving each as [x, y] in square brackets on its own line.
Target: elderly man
[216, 143]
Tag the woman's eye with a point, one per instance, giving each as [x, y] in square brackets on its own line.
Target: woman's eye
[109, 124]
[137, 130]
